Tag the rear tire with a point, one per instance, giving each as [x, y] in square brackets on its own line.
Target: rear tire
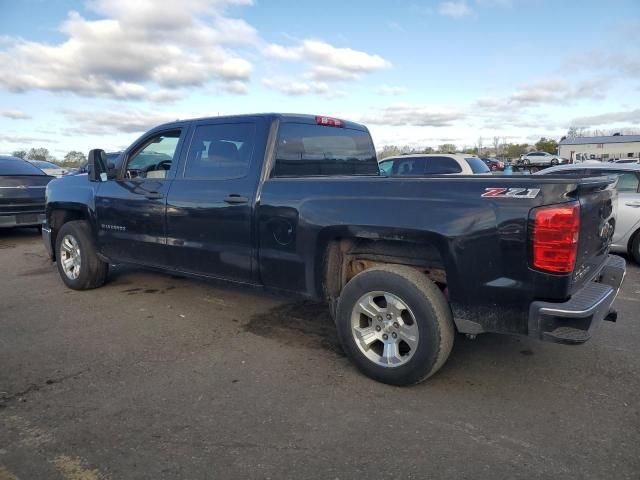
[554, 162]
[77, 261]
[401, 303]
[635, 248]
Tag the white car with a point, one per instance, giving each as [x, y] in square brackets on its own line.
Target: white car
[421, 164]
[540, 159]
[626, 237]
[49, 168]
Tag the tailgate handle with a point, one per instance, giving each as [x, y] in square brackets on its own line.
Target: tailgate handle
[635, 203]
[236, 199]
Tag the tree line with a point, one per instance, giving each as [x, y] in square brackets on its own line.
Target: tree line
[71, 159]
[497, 148]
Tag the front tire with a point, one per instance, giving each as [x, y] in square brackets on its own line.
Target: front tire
[77, 261]
[635, 248]
[395, 324]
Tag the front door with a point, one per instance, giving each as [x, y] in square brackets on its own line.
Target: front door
[131, 209]
[210, 204]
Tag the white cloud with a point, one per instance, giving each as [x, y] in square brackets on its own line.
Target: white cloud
[416, 115]
[631, 116]
[15, 114]
[325, 62]
[559, 91]
[109, 122]
[137, 51]
[390, 90]
[454, 9]
[297, 87]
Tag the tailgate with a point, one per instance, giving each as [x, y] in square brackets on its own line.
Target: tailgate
[597, 197]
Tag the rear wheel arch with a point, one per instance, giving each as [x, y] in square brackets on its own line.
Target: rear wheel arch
[344, 258]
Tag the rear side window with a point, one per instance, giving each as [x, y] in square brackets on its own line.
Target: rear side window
[438, 165]
[477, 165]
[316, 150]
[408, 167]
[627, 181]
[220, 151]
[17, 166]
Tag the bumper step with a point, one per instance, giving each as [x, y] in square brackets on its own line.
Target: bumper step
[568, 335]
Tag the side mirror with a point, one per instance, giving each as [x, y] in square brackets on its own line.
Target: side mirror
[97, 166]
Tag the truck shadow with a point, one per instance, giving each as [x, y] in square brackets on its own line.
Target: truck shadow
[302, 324]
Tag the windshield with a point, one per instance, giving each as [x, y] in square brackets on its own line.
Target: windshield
[17, 166]
[477, 165]
[385, 167]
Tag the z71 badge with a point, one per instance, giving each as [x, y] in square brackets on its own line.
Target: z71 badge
[511, 192]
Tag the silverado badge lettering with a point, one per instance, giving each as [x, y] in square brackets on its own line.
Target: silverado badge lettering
[113, 227]
[511, 192]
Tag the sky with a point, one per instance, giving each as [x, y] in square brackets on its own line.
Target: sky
[77, 75]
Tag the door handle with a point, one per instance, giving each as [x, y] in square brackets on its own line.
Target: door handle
[154, 195]
[236, 199]
[635, 203]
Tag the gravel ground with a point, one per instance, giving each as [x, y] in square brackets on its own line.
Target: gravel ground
[156, 377]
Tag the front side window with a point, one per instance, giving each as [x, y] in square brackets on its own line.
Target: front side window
[154, 158]
[318, 150]
[442, 165]
[220, 151]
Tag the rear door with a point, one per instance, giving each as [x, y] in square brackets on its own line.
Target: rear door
[210, 205]
[131, 208]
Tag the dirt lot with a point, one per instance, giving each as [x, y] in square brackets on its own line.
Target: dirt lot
[154, 376]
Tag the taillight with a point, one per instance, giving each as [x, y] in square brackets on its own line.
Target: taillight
[329, 122]
[554, 237]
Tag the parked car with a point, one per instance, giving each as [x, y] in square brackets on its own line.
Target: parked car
[626, 237]
[494, 164]
[297, 203]
[418, 165]
[50, 168]
[541, 159]
[22, 189]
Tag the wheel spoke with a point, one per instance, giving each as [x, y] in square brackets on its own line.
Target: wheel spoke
[67, 245]
[366, 336]
[394, 306]
[368, 307]
[390, 353]
[67, 262]
[409, 335]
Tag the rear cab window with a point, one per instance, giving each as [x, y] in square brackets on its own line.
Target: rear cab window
[317, 150]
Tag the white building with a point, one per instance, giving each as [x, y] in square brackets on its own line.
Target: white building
[600, 148]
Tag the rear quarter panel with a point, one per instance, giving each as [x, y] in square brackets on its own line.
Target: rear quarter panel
[482, 241]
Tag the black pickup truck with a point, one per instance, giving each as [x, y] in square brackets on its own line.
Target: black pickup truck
[297, 203]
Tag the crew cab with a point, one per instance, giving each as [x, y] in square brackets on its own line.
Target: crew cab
[296, 203]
